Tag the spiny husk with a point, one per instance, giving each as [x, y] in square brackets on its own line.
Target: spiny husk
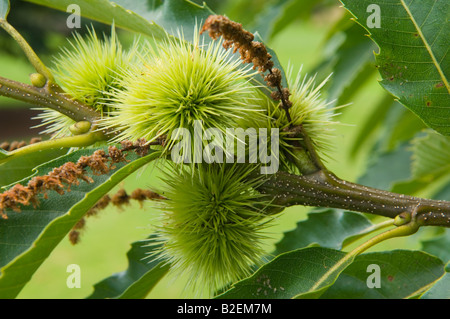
[309, 109]
[214, 223]
[177, 84]
[88, 71]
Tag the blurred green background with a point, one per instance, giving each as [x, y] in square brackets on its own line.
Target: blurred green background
[107, 237]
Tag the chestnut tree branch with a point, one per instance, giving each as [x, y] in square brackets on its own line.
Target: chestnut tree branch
[315, 187]
[324, 189]
[48, 97]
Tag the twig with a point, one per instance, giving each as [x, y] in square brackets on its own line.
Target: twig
[31, 55]
[326, 190]
[45, 97]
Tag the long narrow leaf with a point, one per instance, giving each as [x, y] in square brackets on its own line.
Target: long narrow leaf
[27, 238]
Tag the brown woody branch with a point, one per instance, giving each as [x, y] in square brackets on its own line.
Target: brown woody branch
[326, 190]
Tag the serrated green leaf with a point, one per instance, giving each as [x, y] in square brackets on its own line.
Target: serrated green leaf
[4, 9]
[302, 273]
[338, 225]
[27, 238]
[137, 281]
[402, 274]
[413, 41]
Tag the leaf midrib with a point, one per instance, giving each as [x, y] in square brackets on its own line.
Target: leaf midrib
[427, 46]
